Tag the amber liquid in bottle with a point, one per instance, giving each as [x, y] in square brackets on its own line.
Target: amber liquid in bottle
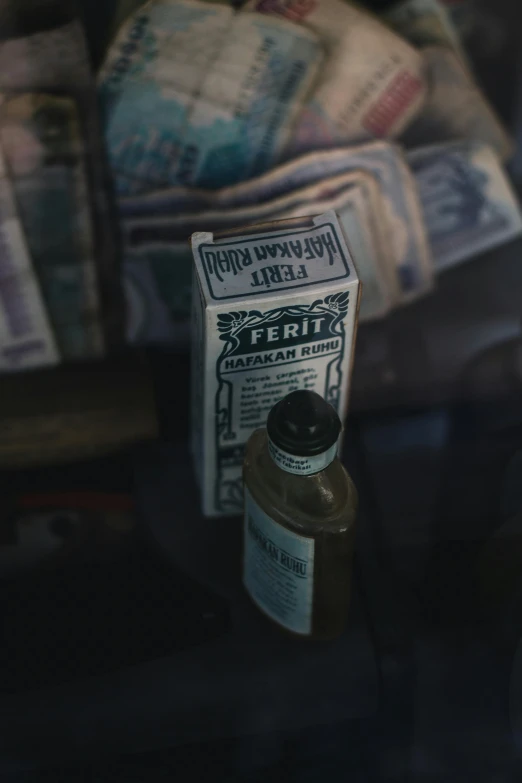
[299, 529]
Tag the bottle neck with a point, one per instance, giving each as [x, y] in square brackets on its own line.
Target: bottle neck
[301, 466]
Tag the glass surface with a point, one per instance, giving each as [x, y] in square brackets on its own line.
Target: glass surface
[424, 684]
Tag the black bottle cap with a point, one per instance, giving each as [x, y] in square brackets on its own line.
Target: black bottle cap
[303, 424]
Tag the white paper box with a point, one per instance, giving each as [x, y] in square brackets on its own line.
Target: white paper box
[275, 310]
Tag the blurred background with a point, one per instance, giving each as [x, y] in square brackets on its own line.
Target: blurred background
[124, 128]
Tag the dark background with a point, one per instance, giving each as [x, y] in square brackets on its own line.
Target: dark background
[425, 685]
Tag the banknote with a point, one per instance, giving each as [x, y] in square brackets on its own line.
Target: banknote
[26, 337]
[357, 213]
[194, 93]
[168, 201]
[355, 195]
[468, 203]
[139, 230]
[56, 60]
[43, 147]
[456, 107]
[425, 23]
[408, 245]
[371, 84]
[157, 285]
[374, 206]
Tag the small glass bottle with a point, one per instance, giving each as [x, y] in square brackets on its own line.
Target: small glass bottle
[300, 510]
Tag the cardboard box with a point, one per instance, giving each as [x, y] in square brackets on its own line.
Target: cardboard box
[274, 310]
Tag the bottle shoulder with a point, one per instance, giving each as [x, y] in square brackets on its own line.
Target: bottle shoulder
[324, 500]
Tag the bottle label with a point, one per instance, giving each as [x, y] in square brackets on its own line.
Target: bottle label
[301, 466]
[278, 569]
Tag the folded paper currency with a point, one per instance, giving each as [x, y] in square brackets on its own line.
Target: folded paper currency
[425, 23]
[468, 203]
[158, 264]
[26, 337]
[408, 245]
[56, 61]
[467, 206]
[362, 215]
[194, 93]
[456, 107]
[355, 196]
[43, 147]
[139, 230]
[371, 84]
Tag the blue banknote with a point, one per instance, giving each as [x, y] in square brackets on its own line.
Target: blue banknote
[196, 94]
[468, 203]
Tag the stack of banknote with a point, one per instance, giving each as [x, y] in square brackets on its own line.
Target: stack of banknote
[59, 280]
[218, 117]
[214, 117]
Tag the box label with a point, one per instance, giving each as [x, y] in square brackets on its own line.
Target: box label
[265, 356]
[284, 261]
[278, 569]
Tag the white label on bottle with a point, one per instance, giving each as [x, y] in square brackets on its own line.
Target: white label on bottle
[278, 569]
[301, 466]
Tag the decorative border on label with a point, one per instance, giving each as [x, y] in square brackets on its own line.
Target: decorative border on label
[228, 493]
